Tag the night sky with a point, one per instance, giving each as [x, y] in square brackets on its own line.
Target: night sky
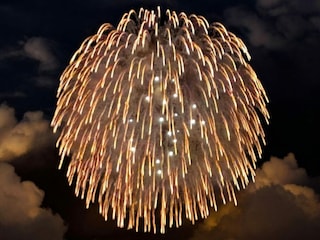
[37, 41]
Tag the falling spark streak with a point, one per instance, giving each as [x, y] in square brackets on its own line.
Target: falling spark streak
[161, 118]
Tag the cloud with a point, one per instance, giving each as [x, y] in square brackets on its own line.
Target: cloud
[18, 138]
[316, 22]
[280, 172]
[298, 7]
[16, 94]
[276, 23]
[38, 48]
[21, 215]
[258, 31]
[45, 81]
[279, 206]
[7, 119]
[34, 51]
[268, 3]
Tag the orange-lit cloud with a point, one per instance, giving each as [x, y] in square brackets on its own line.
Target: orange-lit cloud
[280, 172]
[17, 138]
[279, 206]
[21, 215]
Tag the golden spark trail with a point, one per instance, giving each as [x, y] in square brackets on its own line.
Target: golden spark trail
[160, 118]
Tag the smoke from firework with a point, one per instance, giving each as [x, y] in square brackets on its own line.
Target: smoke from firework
[160, 115]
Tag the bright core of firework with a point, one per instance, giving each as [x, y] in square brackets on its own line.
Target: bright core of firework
[161, 117]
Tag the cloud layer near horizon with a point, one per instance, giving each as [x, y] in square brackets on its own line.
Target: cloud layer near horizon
[21, 214]
[280, 205]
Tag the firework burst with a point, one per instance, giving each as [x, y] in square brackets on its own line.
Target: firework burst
[161, 116]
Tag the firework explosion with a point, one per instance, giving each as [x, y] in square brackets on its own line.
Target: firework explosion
[161, 117]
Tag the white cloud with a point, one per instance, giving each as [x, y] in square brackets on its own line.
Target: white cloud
[279, 206]
[21, 215]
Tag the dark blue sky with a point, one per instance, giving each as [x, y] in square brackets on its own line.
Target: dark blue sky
[39, 37]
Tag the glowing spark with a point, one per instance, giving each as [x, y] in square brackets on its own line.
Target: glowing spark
[160, 115]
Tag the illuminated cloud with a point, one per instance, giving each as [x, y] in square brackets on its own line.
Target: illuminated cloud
[38, 51]
[17, 138]
[278, 206]
[38, 48]
[21, 216]
[7, 119]
[280, 172]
